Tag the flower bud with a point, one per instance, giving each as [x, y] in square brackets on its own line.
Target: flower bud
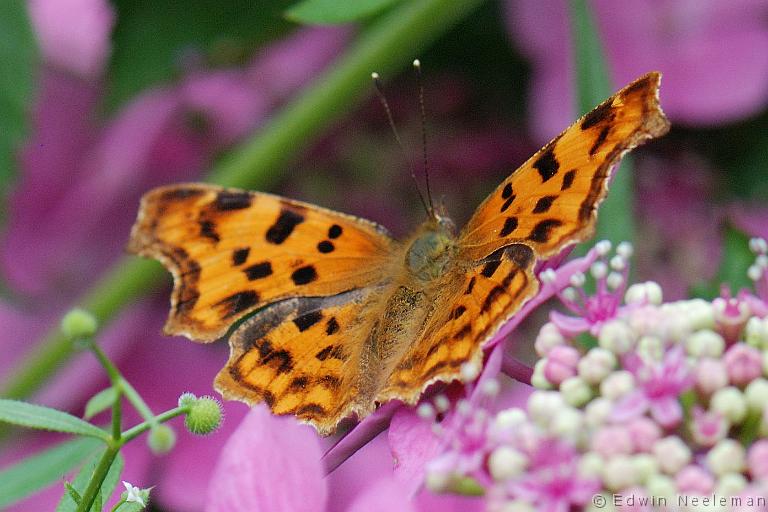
[672, 454]
[204, 416]
[616, 336]
[617, 384]
[705, 343]
[756, 395]
[644, 293]
[548, 338]
[620, 473]
[505, 463]
[693, 479]
[610, 441]
[561, 364]
[710, 376]
[727, 456]
[596, 365]
[161, 439]
[644, 432]
[538, 380]
[757, 460]
[730, 484]
[576, 391]
[79, 324]
[743, 364]
[756, 332]
[730, 403]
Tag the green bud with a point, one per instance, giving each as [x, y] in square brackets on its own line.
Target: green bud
[204, 417]
[79, 323]
[187, 400]
[161, 439]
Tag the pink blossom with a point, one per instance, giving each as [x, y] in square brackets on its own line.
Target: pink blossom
[694, 479]
[73, 34]
[644, 433]
[269, 463]
[743, 363]
[714, 55]
[708, 427]
[710, 375]
[561, 364]
[552, 481]
[612, 440]
[660, 385]
[757, 459]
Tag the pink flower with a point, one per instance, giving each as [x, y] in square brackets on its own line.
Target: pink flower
[613, 440]
[644, 433]
[693, 479]
[708, 427]
[269, 463]
[73, 34]
[660, 386]
[757, 459]
[714, 55]
[561, 364]
[743, 363]
[552, 481]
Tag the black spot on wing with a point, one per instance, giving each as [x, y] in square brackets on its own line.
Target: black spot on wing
[544, 204]
[490, 267]
[258, 270]
[307, 320]
[331, 326]
[334, 231]
[332, 351]
[506, 193]
[311, 410]
[521, 254]
[280, 359]
[325, 247]
[238, 302]
[457, 312]
[542, 231]
[232, 200]
[465, 331]
[283, 226]
[470, 286]
[568, 180]
[600, 140]
[507, 203]
[299, 383]
[510, 224]
[177, 194]
[208, 230]
[601, 113]
[304, 275]
[492, 297]
[239, 256]
[330, 381]
[547, 164]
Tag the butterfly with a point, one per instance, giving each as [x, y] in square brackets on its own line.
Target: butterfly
[328, 316]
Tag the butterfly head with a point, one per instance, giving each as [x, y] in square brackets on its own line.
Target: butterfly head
[431, 250]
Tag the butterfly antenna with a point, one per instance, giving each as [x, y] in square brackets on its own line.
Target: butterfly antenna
[417, 67]
[384, 103]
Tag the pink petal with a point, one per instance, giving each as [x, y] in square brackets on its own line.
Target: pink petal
[667, 411]
[384, 495]
[569, 325]
[413, 444]
[73, 34]
[630, 406]
[427, 501]
[269, 463]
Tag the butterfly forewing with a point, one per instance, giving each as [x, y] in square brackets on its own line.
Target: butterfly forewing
[552, 199]
[232, 252]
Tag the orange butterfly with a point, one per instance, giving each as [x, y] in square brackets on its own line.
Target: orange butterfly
[339, 316]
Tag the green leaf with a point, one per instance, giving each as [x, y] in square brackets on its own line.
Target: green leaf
[29, 415]
[333, 12]
[151, 38]
[41, 470]
[18, 60]
[101, 401]
[83, 478]
[736, 260]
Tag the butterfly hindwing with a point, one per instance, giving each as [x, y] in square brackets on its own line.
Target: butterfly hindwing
[302, 356]
[232, 252]
[552, 199]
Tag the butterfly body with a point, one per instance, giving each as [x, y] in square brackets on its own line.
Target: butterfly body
[328, 316]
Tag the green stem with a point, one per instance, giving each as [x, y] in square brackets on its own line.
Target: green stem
[99, 474]
[616, 220]
[117, 417]
[134, 397]
[386, 46]
[139, 429]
